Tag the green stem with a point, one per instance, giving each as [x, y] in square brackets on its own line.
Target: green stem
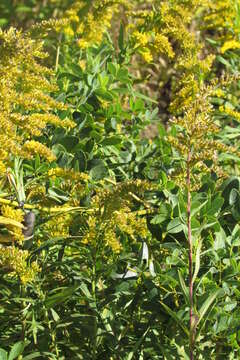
[23, 293]
[94, 336]
[58, 52]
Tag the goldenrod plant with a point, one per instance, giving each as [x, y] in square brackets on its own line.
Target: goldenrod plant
[124, 140]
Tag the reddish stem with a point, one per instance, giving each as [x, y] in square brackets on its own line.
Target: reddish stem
[191, 332]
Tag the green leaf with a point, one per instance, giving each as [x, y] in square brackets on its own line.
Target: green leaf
[99, 172]
[105, 95]
[85, 290]
[16, 350]
[32, 356]
[220, 239]
[232, 183]
[3, 354]
[144, 97]
[196, 207]
[81, 158]
[69, 142]
[175, 226]
[121, 37]
[138, 343]
[3, 22]
[234, 196]
[164, 213]
[208, 302]
[206, 308]
[184, 287]
[23, 9]
[181, 352]
[111, 140]
[175, 317]
[223, 61]
[197, 261]
[60, 297]
[55, 315]
[112, 68]
[215, 206]
[89, 145]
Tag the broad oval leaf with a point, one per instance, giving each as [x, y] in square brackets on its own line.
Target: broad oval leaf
[175, 226]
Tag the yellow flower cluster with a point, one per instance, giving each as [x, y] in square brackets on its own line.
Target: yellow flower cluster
[24, 103]
[186, 90]
[222, 15]
[233, 113]
[36, 192]
[108, 201]
[230, 45]
[101, 233]
[219, 93]
[17, 215]
[48, 25]
[34, 123]
[32, 147]
[195, 137]
[113, 215]
[58, 226]
[150, 45]
[2, 168]
[111, 240]
[127, 222]
[166, 22]
[165, 30]
[68, 174]
[163, 46]
[89, 21]
[14, 260]
[90, 236]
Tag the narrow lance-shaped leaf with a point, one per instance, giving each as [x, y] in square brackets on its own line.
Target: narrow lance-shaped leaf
[184, 288]
[197, 261]
[16, 350]
[175, 317]
[206, 306]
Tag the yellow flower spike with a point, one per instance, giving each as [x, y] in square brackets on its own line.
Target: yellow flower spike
[15, 262]
[147, 56]
[90, 27]
[25, 84]
[32, 147]
[58, 226]
[230, 45]
[16, 215]
[68, 174]
[36, 191]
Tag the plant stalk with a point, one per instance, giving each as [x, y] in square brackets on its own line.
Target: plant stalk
[58, 52]
[190, 270]
[95, 325]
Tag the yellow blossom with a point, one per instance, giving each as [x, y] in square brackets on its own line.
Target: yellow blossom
[17, 215]
[32, 147]
[24, 84]
[89, 26]
[58, 226]
[15, 262]
[230, 45]
[147, 56]
[68, 174]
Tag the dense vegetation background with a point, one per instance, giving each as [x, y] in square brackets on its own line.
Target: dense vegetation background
[119, 179]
